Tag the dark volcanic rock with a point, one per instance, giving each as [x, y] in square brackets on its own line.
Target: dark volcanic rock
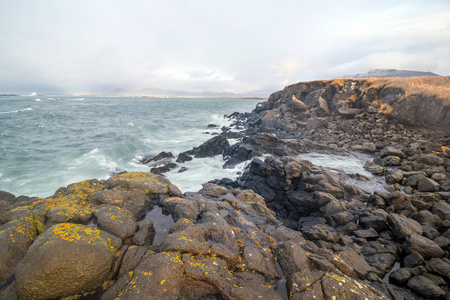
[423, 246]
[211, 147]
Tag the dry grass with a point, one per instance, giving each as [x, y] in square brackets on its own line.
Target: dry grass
[427, 85]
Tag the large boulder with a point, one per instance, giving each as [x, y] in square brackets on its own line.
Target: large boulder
[67, 259]
[403, 226]
[423, 246]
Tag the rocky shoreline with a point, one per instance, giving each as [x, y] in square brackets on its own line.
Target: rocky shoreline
[285, 229]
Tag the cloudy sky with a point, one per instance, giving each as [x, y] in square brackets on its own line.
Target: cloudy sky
[240, 46]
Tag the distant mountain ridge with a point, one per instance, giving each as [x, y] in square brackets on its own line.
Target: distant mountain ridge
[385, 73]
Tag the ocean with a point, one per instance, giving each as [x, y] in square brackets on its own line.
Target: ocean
[47, 142]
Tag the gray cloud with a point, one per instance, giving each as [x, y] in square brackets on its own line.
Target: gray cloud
[245, 46]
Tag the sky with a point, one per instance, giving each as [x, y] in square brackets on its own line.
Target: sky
[247, 47]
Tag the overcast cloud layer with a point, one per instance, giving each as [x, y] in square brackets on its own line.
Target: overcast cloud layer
[245, 47]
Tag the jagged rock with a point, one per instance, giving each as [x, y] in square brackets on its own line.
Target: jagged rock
[212, 147]
[159, 156]
[183, 157]
[316, 123]
[74, 258]
[270, 118]
[403, 226]
[425, 184]
[297, 105]
[163, 169]
[145, 234]
[356, 262]
[423, 246]
[442, 209]
[322, 108]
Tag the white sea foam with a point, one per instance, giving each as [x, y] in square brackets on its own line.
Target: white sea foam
[79, 99]
[33, 94]
[130, 124]
[16, 111]
[350, 164]
[37, 100]
[201, 170]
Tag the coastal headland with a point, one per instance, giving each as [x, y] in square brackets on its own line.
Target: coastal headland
[285, 229]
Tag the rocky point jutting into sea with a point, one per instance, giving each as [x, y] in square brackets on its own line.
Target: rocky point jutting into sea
[285, 229]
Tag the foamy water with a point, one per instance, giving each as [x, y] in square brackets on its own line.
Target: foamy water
[64, 139]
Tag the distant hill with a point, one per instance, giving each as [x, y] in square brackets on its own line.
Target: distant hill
[385, 73]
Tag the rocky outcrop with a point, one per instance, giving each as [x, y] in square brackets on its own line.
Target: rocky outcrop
[418, 101]
[224, 244]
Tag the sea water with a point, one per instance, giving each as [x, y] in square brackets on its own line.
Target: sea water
[51, 141]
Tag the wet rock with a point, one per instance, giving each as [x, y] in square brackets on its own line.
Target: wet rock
[214, 146]
[159, 156]
[374, 168]
[422, 245]
[163, 169]
[183, 157]
[425, 287]
[74, 258]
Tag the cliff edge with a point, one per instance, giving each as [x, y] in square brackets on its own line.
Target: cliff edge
[414, 101]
